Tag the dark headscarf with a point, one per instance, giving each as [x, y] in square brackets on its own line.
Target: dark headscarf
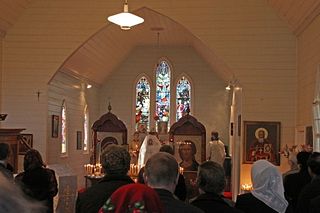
[32, 160]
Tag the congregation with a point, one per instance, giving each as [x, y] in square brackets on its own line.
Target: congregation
[33, 190]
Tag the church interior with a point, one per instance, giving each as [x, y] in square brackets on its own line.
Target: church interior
[249, 64]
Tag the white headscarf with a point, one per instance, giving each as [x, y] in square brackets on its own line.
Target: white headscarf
[268, 186]
[150, 146]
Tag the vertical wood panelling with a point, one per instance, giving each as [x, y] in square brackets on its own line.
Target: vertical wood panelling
[308, 64]
[210, 99]
[76, 95]
[1, 59]
[247, 35]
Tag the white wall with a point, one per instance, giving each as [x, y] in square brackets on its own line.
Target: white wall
[308, 64]
[1, 41]
[247, 35]
[210, 99]
[66, 87]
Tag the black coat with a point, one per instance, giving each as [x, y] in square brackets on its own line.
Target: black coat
[180, 191]
[310, 191]
[39, 184]
[315, 205]
[172, 205]
[91, 200]
[210, 202]
[250, 204]
[293, 185]
[6, 172]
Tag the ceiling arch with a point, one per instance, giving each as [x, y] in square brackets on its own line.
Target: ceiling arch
[100, 55]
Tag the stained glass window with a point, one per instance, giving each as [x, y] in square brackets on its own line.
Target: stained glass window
[162, 92]
[142, 104]
[86, 129]
[183, 97]
[63, 129]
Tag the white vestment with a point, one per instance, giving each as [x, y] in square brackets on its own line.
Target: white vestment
[150, 146]
[217, 151]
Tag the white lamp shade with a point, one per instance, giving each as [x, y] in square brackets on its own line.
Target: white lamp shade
[125, 20]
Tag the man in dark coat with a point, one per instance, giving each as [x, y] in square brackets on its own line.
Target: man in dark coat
[312, 189]
[116, 163]
[211, 182]
[181, 191]
[5, 168]
[161, 173]
[293, 183]
[315, 205]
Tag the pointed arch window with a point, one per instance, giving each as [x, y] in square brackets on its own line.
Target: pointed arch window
[142, 103]
[183, 97]
[163, 77]
[86, 129]
[64, 128]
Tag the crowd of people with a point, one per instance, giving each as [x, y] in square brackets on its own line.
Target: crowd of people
[32, 190]
[161, 187]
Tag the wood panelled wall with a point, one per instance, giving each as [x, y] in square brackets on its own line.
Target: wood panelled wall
[247, 35]
[210, 101]
[308, 65]
[1, 42]
[75, 94]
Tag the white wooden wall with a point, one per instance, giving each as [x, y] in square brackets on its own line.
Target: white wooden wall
[76, 95]
[308, 64]
[1, 73]
[211, 105]
[247, 35]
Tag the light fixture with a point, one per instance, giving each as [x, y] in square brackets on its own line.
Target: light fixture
[233, 85]
[125, 19]
[89, 86]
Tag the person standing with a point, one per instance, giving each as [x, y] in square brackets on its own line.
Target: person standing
[312, 189]
[294, 183]
[211, 182]
[267, 195]
[134, 148]
[217, 151]
[116, 164]
[37, 181]
[5, 168]
[161, 174]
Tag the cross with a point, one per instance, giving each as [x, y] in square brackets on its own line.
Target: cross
[38, 94]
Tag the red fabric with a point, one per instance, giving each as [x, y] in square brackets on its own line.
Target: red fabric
[81, 190]
[227, 195]
[126, 197]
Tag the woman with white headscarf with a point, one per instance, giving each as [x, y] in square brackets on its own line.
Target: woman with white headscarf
[267, 195]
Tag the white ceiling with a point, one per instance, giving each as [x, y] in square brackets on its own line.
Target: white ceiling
[101, 53]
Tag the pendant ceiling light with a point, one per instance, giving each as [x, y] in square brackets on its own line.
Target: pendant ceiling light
[125, 19]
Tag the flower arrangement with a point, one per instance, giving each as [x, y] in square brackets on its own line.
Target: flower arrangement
[286, 151]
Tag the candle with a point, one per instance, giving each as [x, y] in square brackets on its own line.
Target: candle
[181, 170]
[246, 187]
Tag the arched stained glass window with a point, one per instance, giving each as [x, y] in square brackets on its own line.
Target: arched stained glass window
[163, 92]
[143, 103]
[63, 128]
[183, 97]
[86, 129]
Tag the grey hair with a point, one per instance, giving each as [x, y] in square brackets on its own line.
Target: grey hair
[211, 177]
[161, 169]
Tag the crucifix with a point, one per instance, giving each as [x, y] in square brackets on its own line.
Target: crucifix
[38, 94]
